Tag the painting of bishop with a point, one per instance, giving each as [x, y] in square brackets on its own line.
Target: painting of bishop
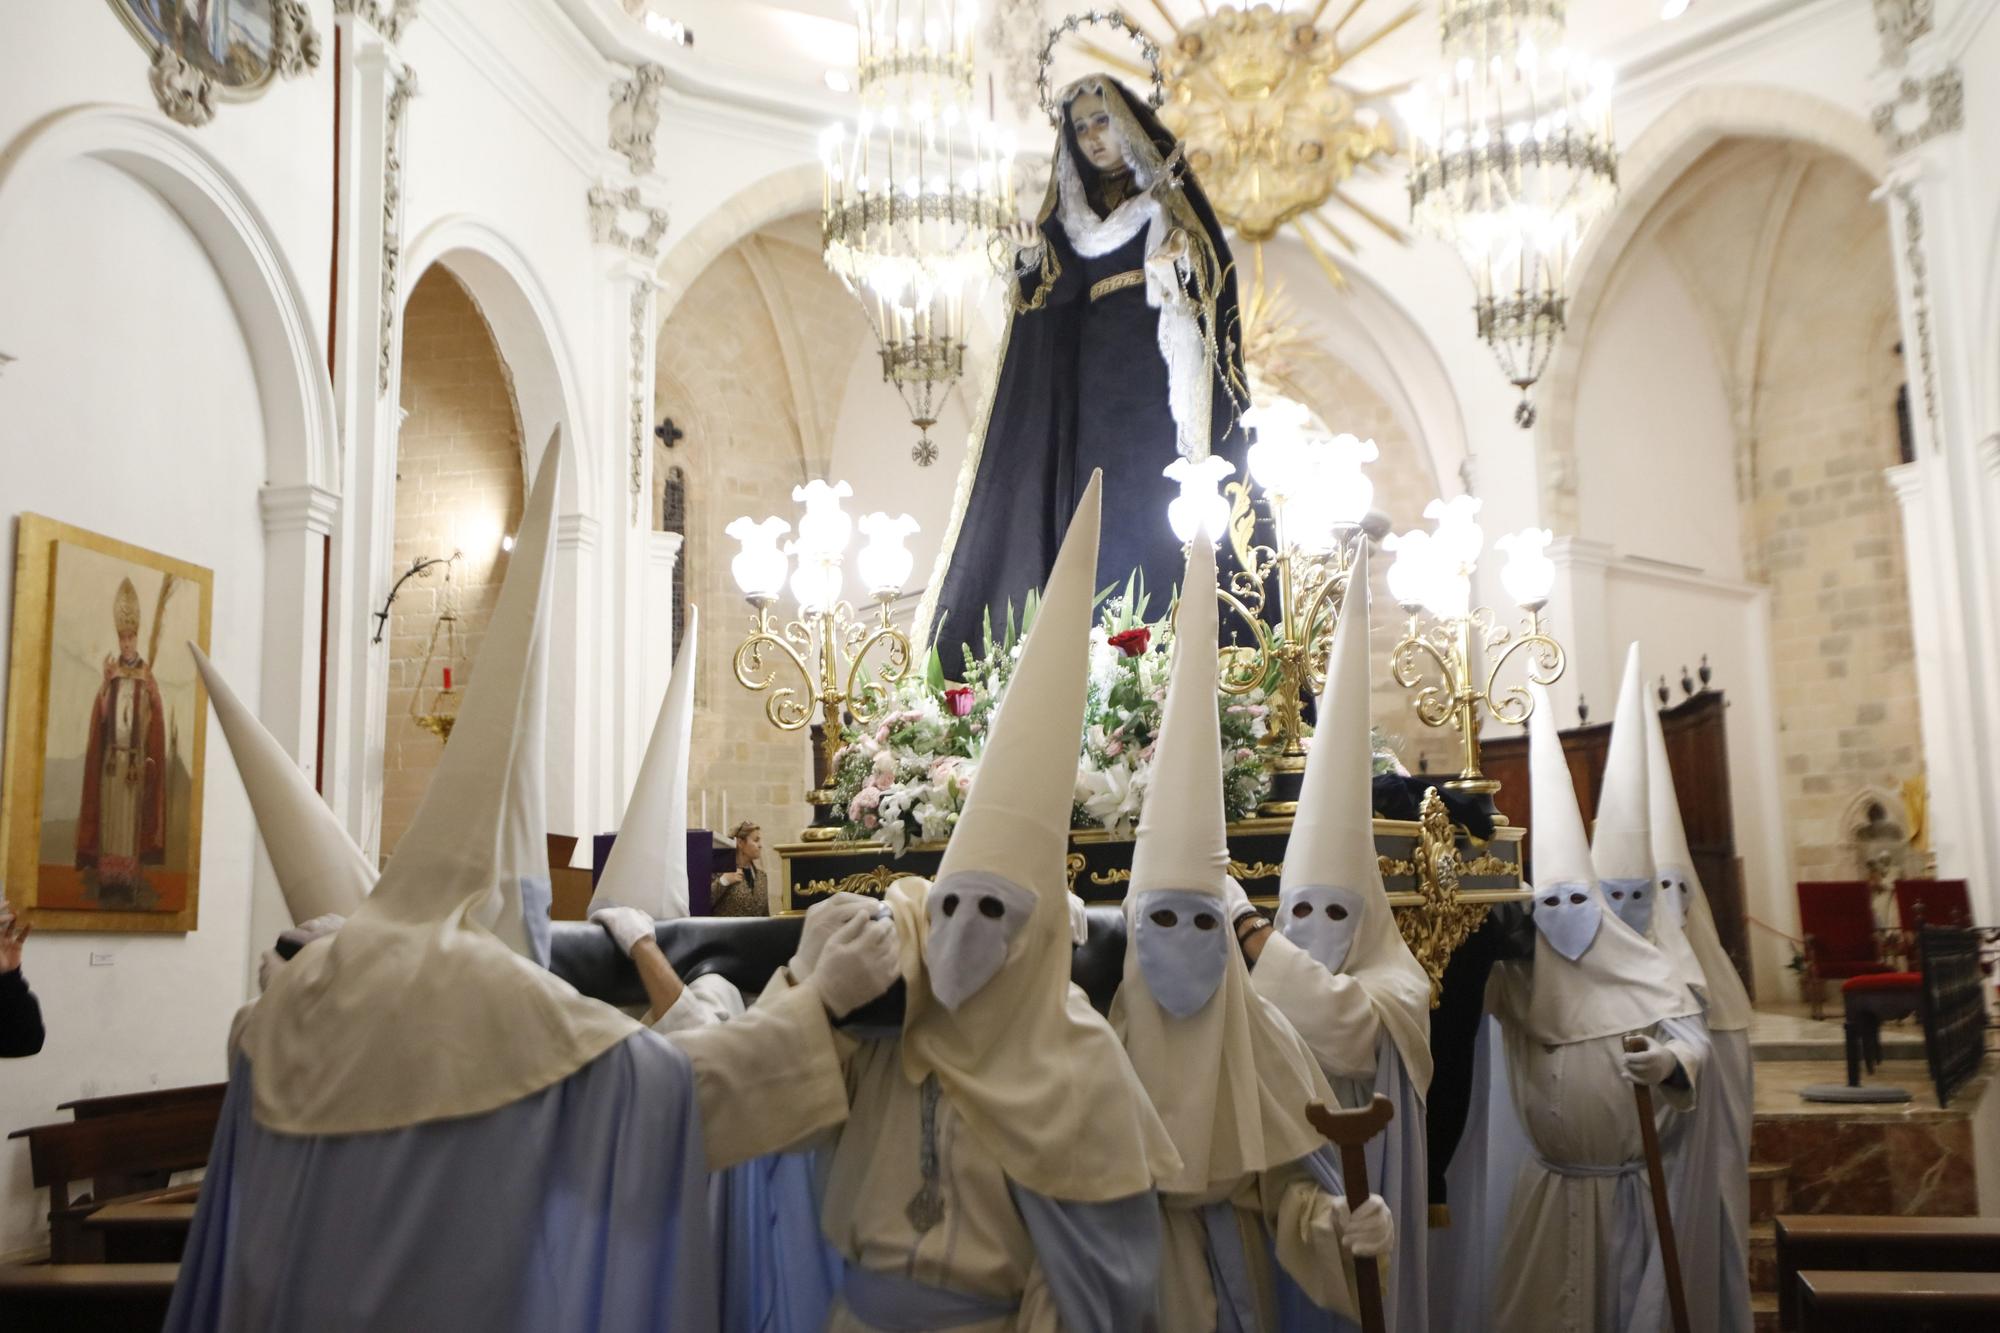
[116, 824]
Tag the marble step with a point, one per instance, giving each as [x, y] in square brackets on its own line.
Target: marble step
[1764, 1312]
[1763, 1257]
[1770, 1190]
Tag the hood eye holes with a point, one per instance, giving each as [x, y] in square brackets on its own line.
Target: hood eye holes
[1336, 911]
[1553, 900]
[1300, 911]
[1618, 895]
[1578, 899]
[1165, 919]
[1637, 894]
[1666, 884]
[1204, 921]
[950, 903]
[992, 908]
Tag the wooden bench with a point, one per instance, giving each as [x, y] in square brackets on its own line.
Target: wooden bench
[144, 1231]
[1843, 1302]
[85, 1298]
[153, 1144]
[1879, 1244]
[154, 1099]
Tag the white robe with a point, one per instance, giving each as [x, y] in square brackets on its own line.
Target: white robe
[1284, 1213]
[1708, 1166]
[1579, 1253]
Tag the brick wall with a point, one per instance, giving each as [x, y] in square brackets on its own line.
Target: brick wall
[458, 487]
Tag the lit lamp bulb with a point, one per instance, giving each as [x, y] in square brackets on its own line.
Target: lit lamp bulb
[816, 582]
[885, 559]
[1410, 575]
[759, 568]
[825, 528]
[1336, 493]
[1278, 459]
[1529, 574]
[1200, 504]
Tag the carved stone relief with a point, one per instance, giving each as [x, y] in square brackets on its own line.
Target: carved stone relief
[388, 17]
[635, 116]
[195, 67]
[1918, 268]
[1942, 98]
[402, 88]
[609, 210]
[1899, 23]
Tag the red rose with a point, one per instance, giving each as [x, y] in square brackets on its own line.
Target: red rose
[1132, 642]
[959, 700]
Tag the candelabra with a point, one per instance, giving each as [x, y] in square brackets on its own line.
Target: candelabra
[1433, 573]
[829, 644]
[1312, 486]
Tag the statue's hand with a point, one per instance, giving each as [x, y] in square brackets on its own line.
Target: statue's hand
[1169, 178]
[1026, 239]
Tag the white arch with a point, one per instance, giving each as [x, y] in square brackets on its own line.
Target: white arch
[286, 352]
[1652, 167]
[512, 297]
[779, 195]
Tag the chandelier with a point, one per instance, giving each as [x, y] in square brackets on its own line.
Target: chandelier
[913, 193]
[1512, 161]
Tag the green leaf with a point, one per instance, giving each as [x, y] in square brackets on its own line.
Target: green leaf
[934, 672]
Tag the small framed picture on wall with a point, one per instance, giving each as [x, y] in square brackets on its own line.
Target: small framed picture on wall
[100, 804]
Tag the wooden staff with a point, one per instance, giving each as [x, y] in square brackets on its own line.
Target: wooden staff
[1663, 1219]
[1350, 1131]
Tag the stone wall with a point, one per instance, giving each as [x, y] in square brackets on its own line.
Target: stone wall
[458, 488]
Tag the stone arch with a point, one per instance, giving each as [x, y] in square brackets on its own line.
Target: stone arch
[1652, 167]
[779, 195]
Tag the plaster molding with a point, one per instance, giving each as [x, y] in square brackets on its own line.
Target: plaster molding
[294, 40]
[1916, 283]
[1942, 96]
[402, 87]
[1898, 23]
[388, 17]
[569, 134]
[187, 94]
[576, 532]
[1580, 553]
[609, 209]
[301, 508]
[663, 550]
[635, 116]
[640, 308]
[1907, 481]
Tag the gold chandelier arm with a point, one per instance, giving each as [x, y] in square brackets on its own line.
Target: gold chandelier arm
[1544, 664]
[1244, 669]
[1327, 598]
[866, 697]
[758, 661]
[1434, 703]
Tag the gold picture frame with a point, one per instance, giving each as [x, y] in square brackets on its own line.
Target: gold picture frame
[107, 723]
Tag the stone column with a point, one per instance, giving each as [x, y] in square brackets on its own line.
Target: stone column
[663, 554]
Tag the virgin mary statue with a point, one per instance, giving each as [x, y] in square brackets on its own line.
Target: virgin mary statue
[1122, 352]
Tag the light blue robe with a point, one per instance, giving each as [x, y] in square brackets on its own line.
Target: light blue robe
[778, 1274]
[581, 1207]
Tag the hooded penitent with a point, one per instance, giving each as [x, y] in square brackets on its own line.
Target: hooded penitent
[1035, 1072]
[1331, 902]
[1729, 1005]
[427, 1004]
[319, 870]
[1594, 975]
[1226, 1072]
[647, 868]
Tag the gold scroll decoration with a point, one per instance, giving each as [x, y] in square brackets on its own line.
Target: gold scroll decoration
[1441, 923]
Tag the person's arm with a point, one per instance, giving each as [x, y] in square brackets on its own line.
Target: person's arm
[1313, 1235]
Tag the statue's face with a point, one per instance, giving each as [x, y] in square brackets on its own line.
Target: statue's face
[1096, 136]
[128, 644]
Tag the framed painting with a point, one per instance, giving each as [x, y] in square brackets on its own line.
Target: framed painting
[100, 805]
[204, 50]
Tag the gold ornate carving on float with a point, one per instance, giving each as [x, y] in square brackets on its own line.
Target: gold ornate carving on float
[1442, 922]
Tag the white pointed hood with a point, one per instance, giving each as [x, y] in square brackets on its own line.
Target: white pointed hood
[1036, 1073]
[1729, 1007]
[319, 869]
[648, 864]
[425, 1006]
[1232, 1079]
[1621, 983]
[1333, 847]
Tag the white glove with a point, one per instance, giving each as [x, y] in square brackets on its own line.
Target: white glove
[1369, 1230]
[625, 925]
[823, 920]
[1079, 923]
[856, 965]
[1234, 901]
[1652, 1066]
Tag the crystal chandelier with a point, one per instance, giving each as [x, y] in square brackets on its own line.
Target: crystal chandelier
[913, 195]
[1512, 160]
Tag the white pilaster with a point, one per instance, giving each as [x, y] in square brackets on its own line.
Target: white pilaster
[574, 739]
[663, 556]
[1578, 618]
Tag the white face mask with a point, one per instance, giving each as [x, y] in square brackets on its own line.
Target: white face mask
[1322, 921]
[972, 919]
[1674, 894]
[1632, 899]
[1568, 916]
[1183, 947]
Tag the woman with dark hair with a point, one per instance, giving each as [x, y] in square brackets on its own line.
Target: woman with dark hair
[1122, 352]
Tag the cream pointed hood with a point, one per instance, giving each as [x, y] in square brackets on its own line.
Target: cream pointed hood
[1036, 1073]
[1232, 1079]
[319, 869]
[648, 864]
[425, 1006]
[1621, 983]
[1333, 843]
[1729, 1007]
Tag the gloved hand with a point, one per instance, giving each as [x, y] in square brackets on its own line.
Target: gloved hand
[1234, 901]
[299, 936]
[625, 925]
[1369, 1230]
[856, 965]
[1079, 923]
[823, 920]
[1653, 1065]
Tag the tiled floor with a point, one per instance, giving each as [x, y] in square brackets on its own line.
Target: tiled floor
[1784, 1033]
[1778, 1084]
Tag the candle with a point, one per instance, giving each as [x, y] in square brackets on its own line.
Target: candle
[447, 677]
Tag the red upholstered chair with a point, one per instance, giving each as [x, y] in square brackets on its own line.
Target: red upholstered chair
[1939, 903]
[1866, 1003]
[1840, 936]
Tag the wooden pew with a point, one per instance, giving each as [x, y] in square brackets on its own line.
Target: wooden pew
[144, 1231]
[1837, 1302]
[118, 1145]
[154, 1099]
[85, 1298]
[1879, 1244]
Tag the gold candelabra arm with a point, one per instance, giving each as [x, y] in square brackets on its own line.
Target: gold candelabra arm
[1326, 593]
[1436, 704]
[1244, 668]
[1543, 661]
[866, 695]
[760, 659]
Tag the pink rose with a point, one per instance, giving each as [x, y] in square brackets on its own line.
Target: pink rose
[870, 821]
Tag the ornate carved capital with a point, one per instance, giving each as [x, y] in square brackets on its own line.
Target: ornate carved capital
[1942, 100]
[635, 116]
[622, 218]
[301, 508]
[1899, 23]
[388, 17]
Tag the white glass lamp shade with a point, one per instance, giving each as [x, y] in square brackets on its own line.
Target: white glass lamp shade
[1410, 575]
[825, 527]
[1529, 574]
[885, 559]
[1347, 490]
[1200, 504]
[1278, 460]
[816, 581]
[1458, 535]
[759, 567]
